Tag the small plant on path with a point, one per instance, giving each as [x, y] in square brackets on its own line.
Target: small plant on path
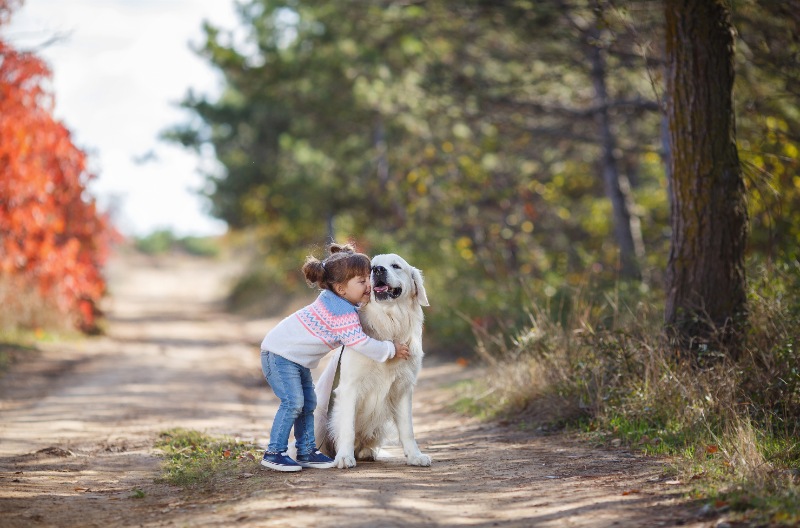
[199, 461]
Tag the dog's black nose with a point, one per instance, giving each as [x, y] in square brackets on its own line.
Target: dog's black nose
[379, 270]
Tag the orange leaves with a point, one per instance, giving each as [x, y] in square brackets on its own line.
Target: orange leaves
[51, 234]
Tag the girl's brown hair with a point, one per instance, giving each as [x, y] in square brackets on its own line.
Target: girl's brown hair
[342, 264]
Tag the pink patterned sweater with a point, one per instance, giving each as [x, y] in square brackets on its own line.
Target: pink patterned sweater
[307, 335]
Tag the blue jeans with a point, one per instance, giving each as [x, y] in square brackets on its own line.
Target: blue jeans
[294, 386]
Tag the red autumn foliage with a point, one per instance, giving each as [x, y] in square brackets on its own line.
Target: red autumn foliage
[52, 237]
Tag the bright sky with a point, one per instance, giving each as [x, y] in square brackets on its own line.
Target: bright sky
[118, 73]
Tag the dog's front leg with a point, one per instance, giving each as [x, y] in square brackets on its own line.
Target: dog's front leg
[344, 423]
[405, 428]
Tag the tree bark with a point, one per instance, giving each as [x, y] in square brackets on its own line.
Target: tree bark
[383, 174]
[627, 227]
[706, 305]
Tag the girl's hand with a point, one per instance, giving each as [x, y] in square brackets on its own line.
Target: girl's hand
[401, 351]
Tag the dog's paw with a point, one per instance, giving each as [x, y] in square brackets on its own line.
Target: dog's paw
[366, 454]
[345, 461]
[419, 459]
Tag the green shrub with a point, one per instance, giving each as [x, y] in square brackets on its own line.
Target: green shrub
[200, 246]
[164, 241]
[156, 243]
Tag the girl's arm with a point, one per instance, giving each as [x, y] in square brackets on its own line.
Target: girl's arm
[353, 335]
[379, 351]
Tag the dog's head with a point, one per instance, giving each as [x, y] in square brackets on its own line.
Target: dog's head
[393, 279]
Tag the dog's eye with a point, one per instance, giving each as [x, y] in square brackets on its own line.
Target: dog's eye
[396, 266]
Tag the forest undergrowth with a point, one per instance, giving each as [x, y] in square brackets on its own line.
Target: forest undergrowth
[601, 366]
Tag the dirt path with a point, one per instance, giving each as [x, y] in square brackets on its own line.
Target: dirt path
[78, 422]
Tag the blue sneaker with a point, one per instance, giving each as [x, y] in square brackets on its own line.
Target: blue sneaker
[279, 462]
[315, 460]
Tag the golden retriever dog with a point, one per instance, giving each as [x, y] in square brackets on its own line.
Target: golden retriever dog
[371, 398]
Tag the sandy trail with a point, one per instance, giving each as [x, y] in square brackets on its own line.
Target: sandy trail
[78, 421]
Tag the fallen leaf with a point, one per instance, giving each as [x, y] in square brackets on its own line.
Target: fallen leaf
[711, 449]
[462, 362]
[226, 453]
[630, 492]
[81, 489]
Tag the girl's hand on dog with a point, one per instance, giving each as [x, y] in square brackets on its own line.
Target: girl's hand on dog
[401, 351]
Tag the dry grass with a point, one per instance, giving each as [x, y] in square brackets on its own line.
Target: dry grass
[24, 308]
[609, 371]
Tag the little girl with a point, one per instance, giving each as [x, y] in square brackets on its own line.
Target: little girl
[296, 345]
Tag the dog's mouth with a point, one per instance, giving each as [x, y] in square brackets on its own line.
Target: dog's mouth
[385, 292]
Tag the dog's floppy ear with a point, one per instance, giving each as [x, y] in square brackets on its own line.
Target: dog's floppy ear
[416, 275]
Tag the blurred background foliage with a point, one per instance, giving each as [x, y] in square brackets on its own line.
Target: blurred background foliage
[54, 239]
[163, 241]
[512, 150]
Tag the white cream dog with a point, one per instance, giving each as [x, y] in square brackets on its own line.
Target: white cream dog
[372, 396]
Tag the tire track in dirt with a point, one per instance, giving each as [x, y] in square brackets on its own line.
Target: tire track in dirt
[78, 422]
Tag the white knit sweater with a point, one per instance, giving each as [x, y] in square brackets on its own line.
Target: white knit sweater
[307, 335]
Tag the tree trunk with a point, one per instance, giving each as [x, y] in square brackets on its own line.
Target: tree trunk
[627, 227]
[706, 306]
[382, 169]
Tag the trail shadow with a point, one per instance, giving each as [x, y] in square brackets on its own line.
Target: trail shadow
[470, 485]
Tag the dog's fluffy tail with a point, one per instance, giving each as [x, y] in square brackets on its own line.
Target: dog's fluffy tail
[324, 389]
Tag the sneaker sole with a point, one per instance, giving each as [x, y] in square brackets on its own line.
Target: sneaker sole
[318, 465]
[278, 467]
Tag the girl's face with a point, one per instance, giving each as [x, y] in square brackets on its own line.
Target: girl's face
[356, 290]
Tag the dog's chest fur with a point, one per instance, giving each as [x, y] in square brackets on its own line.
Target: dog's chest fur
[390, 323]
